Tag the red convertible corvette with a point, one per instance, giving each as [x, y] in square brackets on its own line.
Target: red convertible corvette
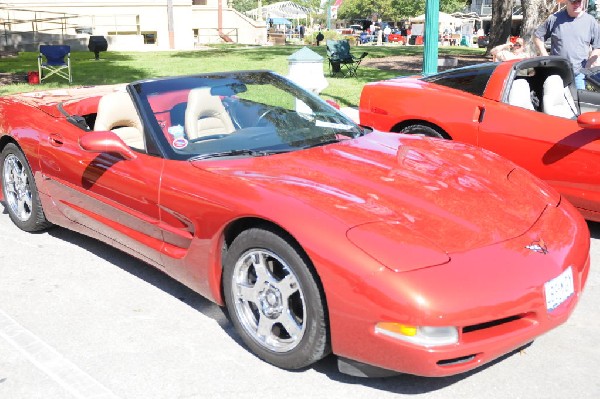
[396, 253]
[528, 111]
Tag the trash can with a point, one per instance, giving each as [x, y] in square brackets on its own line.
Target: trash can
[97, 44]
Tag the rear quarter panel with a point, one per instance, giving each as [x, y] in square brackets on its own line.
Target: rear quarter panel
[389, 106]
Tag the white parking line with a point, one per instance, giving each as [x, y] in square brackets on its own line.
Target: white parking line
[47, 359]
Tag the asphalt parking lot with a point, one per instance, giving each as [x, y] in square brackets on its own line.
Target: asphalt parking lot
[79, 319]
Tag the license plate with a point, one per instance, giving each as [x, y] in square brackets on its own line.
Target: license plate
[559, 289]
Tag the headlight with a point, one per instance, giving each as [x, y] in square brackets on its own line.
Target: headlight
[419, 335]
[396, 247]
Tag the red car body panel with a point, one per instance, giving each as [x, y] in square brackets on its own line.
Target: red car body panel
[558, 150]
[176, 215]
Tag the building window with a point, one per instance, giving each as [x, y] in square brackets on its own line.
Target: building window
[149, 37]
[199, 2]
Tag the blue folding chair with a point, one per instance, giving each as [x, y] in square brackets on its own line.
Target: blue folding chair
[58, 61]
[341, 61]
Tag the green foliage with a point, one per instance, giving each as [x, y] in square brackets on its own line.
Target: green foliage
[392, 10]
[244, 5]
[450, 6]
[247, 5]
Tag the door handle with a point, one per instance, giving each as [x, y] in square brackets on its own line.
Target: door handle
[55, 139]
[479, 113]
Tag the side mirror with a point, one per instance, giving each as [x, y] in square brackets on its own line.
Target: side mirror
[589, 120]
[101, 142]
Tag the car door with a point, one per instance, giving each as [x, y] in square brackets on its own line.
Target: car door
[553, 148]
[112, 198]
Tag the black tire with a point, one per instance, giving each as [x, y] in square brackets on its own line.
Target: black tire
[422, 130]
[269, 285]
[20, 192]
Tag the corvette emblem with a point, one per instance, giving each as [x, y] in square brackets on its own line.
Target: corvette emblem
[538, 246]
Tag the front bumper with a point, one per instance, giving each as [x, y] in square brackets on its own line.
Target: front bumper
[494, 295]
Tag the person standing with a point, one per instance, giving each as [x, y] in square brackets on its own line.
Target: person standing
[319, 38]
[573, 34]
[386, 32]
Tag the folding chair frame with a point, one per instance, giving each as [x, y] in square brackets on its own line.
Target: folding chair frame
[58, 62]
[341, 61]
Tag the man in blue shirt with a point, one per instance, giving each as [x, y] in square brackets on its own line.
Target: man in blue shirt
[573, 34]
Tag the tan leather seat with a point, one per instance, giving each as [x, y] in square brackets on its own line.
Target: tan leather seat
[557, 99]
[205, 115]
[117, 113]
[520, 94]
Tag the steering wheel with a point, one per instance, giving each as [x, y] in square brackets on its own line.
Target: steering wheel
[263, 116]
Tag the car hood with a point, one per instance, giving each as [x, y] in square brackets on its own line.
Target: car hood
[458, 196]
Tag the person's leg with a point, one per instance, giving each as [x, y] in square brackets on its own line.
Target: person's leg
[580, 81]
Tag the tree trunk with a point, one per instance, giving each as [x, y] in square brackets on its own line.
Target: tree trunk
[501, 23]
[535, 13]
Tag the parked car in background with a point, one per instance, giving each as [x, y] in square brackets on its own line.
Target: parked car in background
[483, 41]
[396, 37]
[526, 110]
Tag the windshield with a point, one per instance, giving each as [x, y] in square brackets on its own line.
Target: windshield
[238, 114]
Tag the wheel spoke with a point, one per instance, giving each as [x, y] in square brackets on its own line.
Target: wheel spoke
[287, 286]
[290, 324]
[265, 326]
[22, 209]
[248, 293]
[260, 267]
[10, 189]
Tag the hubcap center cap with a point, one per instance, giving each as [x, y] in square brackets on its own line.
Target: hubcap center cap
[271, 302]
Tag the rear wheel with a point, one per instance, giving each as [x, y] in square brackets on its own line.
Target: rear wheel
[19, 190]
[423, 130]
[274, 300]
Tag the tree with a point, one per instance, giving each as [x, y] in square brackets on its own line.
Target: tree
[534, 13]
[392, 10]
[501, 23]
[247, 5]
[450, 6]
[244, 5]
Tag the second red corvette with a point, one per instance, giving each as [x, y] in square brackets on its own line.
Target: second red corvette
[527, 111]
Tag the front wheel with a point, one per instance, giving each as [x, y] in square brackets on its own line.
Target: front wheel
[274, 300]
[422, 130]
[19, 190]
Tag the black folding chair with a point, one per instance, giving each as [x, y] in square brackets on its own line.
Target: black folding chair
[58, 61]
[341, 61]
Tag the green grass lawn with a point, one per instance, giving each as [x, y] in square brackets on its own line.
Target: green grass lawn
[121, 67]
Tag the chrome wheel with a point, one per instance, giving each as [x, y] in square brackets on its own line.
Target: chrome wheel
[274, 298]
[20, 192]
[17, 190]
[268, 300]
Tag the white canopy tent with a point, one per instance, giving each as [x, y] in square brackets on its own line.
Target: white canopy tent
[282, 9]
[443, 18]
[444, 21]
